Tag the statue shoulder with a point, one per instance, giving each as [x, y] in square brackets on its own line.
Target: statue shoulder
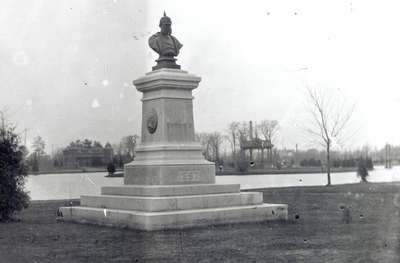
[177, 43]
[154, 36]
[153, 42]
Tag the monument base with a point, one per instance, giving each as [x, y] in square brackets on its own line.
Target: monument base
[151, 221]
[173, 207]
[171, 164]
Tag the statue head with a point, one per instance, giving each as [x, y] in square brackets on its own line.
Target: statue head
[165, 25]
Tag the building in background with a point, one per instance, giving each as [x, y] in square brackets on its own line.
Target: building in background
[87, 154]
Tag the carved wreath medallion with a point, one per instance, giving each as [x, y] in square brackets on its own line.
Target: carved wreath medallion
[152, 121]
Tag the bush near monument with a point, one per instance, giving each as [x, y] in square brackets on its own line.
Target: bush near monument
[34, 163]
[111, 168]
[242, 163]
[337, 163]
[362, 170]
[12, 174]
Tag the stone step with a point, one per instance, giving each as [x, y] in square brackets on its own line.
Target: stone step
[174, 219]
[170, 190]
[170, 203]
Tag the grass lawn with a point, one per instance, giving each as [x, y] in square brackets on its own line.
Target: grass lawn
[345, 223]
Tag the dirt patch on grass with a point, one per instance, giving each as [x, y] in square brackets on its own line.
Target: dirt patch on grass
[348, 223]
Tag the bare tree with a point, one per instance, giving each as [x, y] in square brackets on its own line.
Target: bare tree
[216, 140]
[269, 129]
[5, 119]
[233, 138]
[204, 140]
[330, 116]
[39, 146]
[244, 131]
[128, 144]
[211, 143]
[57, 157]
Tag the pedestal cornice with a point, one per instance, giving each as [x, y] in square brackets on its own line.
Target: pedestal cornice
[167, 79]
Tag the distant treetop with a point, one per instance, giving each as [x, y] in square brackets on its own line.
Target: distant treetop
[86, 143]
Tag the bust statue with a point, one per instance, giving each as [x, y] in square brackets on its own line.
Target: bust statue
[166, 45]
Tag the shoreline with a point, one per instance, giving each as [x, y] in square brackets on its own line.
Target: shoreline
[314, 188]
[83, 170]
[217, 173]
[288, 171]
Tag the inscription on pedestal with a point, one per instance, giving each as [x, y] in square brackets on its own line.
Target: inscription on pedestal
[189, 175]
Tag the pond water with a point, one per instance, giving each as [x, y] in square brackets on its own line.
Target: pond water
[71, 186]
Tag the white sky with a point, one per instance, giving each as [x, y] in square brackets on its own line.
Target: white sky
[67, 66]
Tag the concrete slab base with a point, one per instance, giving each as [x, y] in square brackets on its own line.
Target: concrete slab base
[155, 207]
[150, 221]
[168, 203]
[170, 190]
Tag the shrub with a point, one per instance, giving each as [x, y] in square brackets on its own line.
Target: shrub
[35, 163]
[12, 174]
[362, 170]
[242, 163]
[369, 164]
[310, 162]
[111, 168]
[336, 163]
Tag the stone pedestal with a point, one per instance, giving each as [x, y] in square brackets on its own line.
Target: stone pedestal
[168, 154]
[170, 184]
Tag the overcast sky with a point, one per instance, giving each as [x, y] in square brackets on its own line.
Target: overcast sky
[67, 66]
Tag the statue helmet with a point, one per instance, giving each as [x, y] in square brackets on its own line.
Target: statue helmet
[165, 20]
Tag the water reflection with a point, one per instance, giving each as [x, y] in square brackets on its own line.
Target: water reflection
[67, 186]
[379, 174]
